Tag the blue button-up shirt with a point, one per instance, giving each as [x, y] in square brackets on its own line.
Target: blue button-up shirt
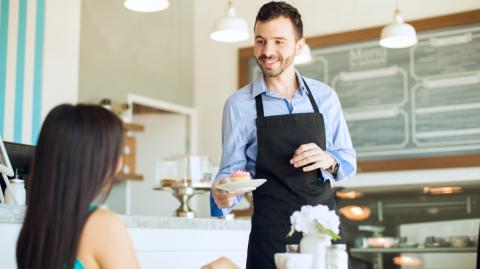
[239, 130]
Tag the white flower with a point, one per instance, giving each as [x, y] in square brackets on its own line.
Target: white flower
[315, 220]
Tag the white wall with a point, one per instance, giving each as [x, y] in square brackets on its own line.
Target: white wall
[123, 51]
[164, 135]
[61, 53]
[216, 64]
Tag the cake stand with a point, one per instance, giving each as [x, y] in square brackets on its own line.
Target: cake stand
[183, 191]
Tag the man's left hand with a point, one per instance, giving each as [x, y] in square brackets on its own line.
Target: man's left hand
[311, 157]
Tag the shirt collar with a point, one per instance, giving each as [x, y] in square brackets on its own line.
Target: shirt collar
[259, 85]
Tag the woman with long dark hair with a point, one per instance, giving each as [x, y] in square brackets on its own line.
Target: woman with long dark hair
[76, 157]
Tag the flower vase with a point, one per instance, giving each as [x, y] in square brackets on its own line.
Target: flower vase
[316, 244]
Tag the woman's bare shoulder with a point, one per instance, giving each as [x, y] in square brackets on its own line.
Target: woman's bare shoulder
[106, 237]
[101, 227]
[103, 218]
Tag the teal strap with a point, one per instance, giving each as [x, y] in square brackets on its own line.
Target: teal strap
[78, 264]
[92, 208]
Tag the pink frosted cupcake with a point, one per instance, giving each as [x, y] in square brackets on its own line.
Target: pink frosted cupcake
[240, 175]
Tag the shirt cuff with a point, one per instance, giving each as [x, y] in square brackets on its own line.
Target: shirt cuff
[221, 176]
[326, 175]
[219, 212]
[344, 171]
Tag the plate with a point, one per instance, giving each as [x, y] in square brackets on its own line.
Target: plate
[242, 186]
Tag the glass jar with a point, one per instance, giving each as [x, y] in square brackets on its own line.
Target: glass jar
[337, 257]
[16, 193]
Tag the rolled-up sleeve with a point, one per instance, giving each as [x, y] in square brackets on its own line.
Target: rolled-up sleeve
[234, 143]
[219, 212]
[341, 147]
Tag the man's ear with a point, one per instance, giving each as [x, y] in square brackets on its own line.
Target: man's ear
[299, 46]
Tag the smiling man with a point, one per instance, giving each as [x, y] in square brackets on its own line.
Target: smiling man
[285, 128]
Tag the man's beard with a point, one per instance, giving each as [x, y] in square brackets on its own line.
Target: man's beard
[274, 72]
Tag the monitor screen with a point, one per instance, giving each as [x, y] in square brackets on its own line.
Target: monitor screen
[21, 156]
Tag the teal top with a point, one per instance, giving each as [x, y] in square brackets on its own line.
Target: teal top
[78, 264]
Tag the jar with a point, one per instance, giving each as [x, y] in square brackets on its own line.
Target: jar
[317, 245]
[337, 257]
[16, 193]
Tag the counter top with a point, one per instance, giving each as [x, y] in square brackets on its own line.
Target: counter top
[15, 214]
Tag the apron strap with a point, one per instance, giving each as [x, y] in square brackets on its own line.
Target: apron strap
[310, 96]
[259, 103]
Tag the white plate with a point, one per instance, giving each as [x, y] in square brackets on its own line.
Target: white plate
[242, 186]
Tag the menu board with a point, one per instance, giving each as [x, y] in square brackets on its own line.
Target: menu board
[421, 101]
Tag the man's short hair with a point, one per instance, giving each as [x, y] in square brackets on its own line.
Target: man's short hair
[273, 10]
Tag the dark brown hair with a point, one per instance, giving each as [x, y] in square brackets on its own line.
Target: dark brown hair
[273, 10]
[74, 162]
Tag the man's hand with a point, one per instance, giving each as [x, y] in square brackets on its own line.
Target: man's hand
[222, 199]
[313, 156]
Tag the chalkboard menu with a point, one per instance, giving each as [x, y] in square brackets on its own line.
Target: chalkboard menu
[422, 101]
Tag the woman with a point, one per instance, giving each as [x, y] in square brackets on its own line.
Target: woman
[77, 155]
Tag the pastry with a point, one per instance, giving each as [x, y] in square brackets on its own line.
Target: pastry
[238, 176]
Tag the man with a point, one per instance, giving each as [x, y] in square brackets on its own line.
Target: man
[285, 128]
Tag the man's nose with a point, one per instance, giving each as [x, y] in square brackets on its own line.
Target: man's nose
[268, 49]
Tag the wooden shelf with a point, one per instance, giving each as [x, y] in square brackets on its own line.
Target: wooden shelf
[122, 176]
[141, 109]
[133, 127]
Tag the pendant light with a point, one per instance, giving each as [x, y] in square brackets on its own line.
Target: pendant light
[146, 5]
[398, 34]
[305, 57]
[230, 28]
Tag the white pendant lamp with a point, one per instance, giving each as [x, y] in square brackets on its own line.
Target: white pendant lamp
[230, 28]
[305, 57]
[398, 34]
[146, 5]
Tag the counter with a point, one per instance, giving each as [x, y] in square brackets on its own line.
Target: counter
[15, 214]
[164, 241]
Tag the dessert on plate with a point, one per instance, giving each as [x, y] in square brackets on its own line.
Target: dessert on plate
[241, 182]
[238, 176]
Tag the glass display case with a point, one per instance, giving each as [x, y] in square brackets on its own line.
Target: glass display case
[432, 227]
[184, 176]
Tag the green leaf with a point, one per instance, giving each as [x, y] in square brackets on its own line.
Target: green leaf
[326, 231]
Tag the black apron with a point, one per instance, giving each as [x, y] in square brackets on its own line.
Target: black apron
[287, 188]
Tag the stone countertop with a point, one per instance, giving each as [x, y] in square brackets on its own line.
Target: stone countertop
[15, 214]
